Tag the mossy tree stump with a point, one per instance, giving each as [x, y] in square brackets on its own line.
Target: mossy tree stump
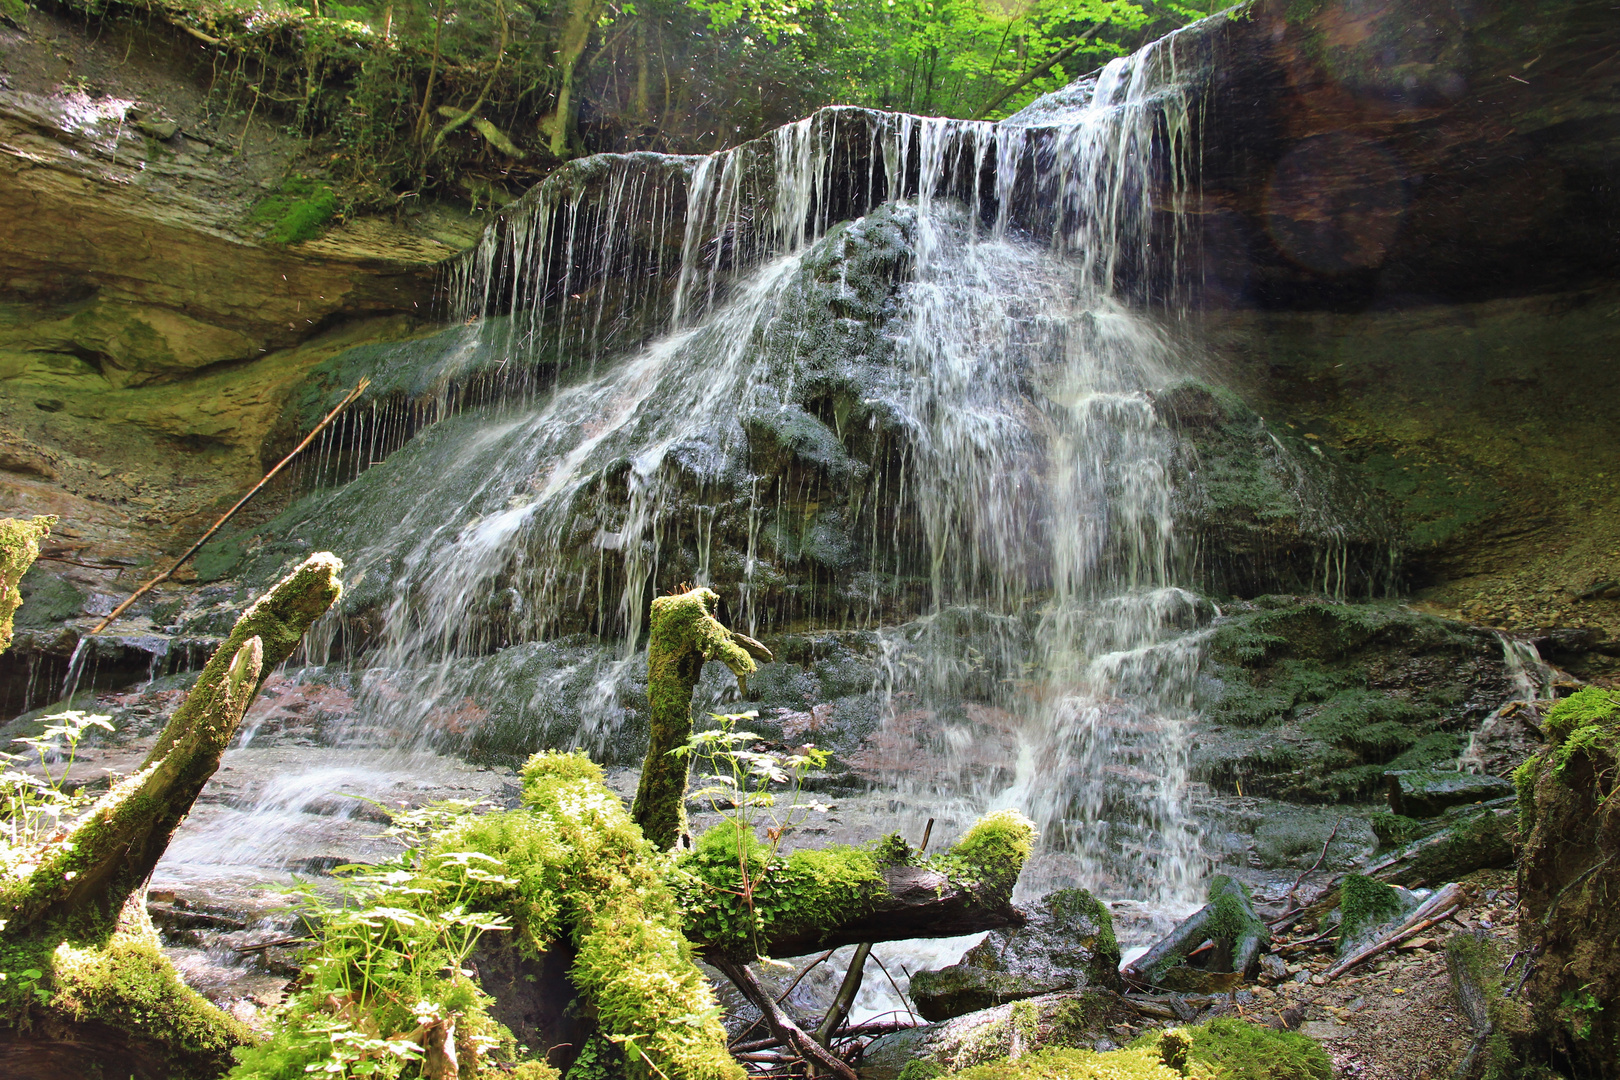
[685, 633]
[1569, 882]
[102, 998]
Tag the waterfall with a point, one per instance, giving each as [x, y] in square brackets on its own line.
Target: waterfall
[621, 337]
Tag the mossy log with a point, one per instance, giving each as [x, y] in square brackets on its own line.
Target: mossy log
[76, 914]
[1228, 922]
[684, 633]
[19, 547]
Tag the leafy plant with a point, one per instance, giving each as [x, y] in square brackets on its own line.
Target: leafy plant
[32, 805]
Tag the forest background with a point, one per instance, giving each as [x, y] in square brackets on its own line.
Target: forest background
[401, 99]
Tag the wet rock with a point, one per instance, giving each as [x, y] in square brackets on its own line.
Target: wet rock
[1076, 1020]
[1476, 838]
[1422, 793]
[1067, 944]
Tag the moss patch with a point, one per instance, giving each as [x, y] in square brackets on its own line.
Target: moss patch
[1223, 1049]
[299, 210]
[19, 547]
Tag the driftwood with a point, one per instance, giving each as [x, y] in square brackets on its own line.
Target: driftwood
[1228, 921]
[1436, 909]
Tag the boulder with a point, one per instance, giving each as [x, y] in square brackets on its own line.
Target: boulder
[1421, 793]
[1080, 1020]
[1067, 944]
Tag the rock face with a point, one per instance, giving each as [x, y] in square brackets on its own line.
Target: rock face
[1421, 793]
[1067, 944]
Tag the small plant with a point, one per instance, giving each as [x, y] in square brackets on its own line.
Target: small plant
[32, 806]
[1581, 1007]
[739, 788]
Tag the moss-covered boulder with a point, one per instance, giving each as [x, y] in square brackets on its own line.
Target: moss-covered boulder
[1078, 1020]
[1569, 877]
[1315, 701]
[1067, 944]
[1421, 793]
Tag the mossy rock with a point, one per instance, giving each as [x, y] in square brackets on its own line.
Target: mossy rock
[1366, 907]
[1067, 944]
[1425, 793]
[47, 601]
[1076, 1020]
[299, 210]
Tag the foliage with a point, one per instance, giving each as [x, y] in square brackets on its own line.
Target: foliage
[389, 964]
[32, 805]
[471, 97]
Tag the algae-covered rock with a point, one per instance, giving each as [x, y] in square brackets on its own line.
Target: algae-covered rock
[1478, 838]
[1569, 876]
[1067, 944]
[1054, 1020]
[1421, 793]
[1317, 701]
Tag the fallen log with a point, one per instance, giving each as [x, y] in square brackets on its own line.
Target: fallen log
[1436, 909]
[106, 998]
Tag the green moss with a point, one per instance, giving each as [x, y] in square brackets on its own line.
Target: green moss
[994, 851]
[299, 210]
[1394, 830]
[683, 635]
[736, 892]
[920, 1069]
[1223, 1049]
[1074, 908]
[570, 865]
[1236, 1050]
[1587, 723]
[1365, 903]
[19, 547]
[1233, 914]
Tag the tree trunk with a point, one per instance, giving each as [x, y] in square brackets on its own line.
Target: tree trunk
[684, 633]
[79, 916]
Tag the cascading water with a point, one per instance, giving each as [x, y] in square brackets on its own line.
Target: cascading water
[1005, 499]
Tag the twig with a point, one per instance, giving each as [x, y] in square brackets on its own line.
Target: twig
[846, 993]
[896, 986]
[1294, 888]
[816, 1055]
[192, 550]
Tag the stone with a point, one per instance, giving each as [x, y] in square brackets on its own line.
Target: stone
[1077, 1020]
[1421, 793]
[1067, 944]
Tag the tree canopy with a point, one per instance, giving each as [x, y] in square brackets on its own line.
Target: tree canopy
[412, 96]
